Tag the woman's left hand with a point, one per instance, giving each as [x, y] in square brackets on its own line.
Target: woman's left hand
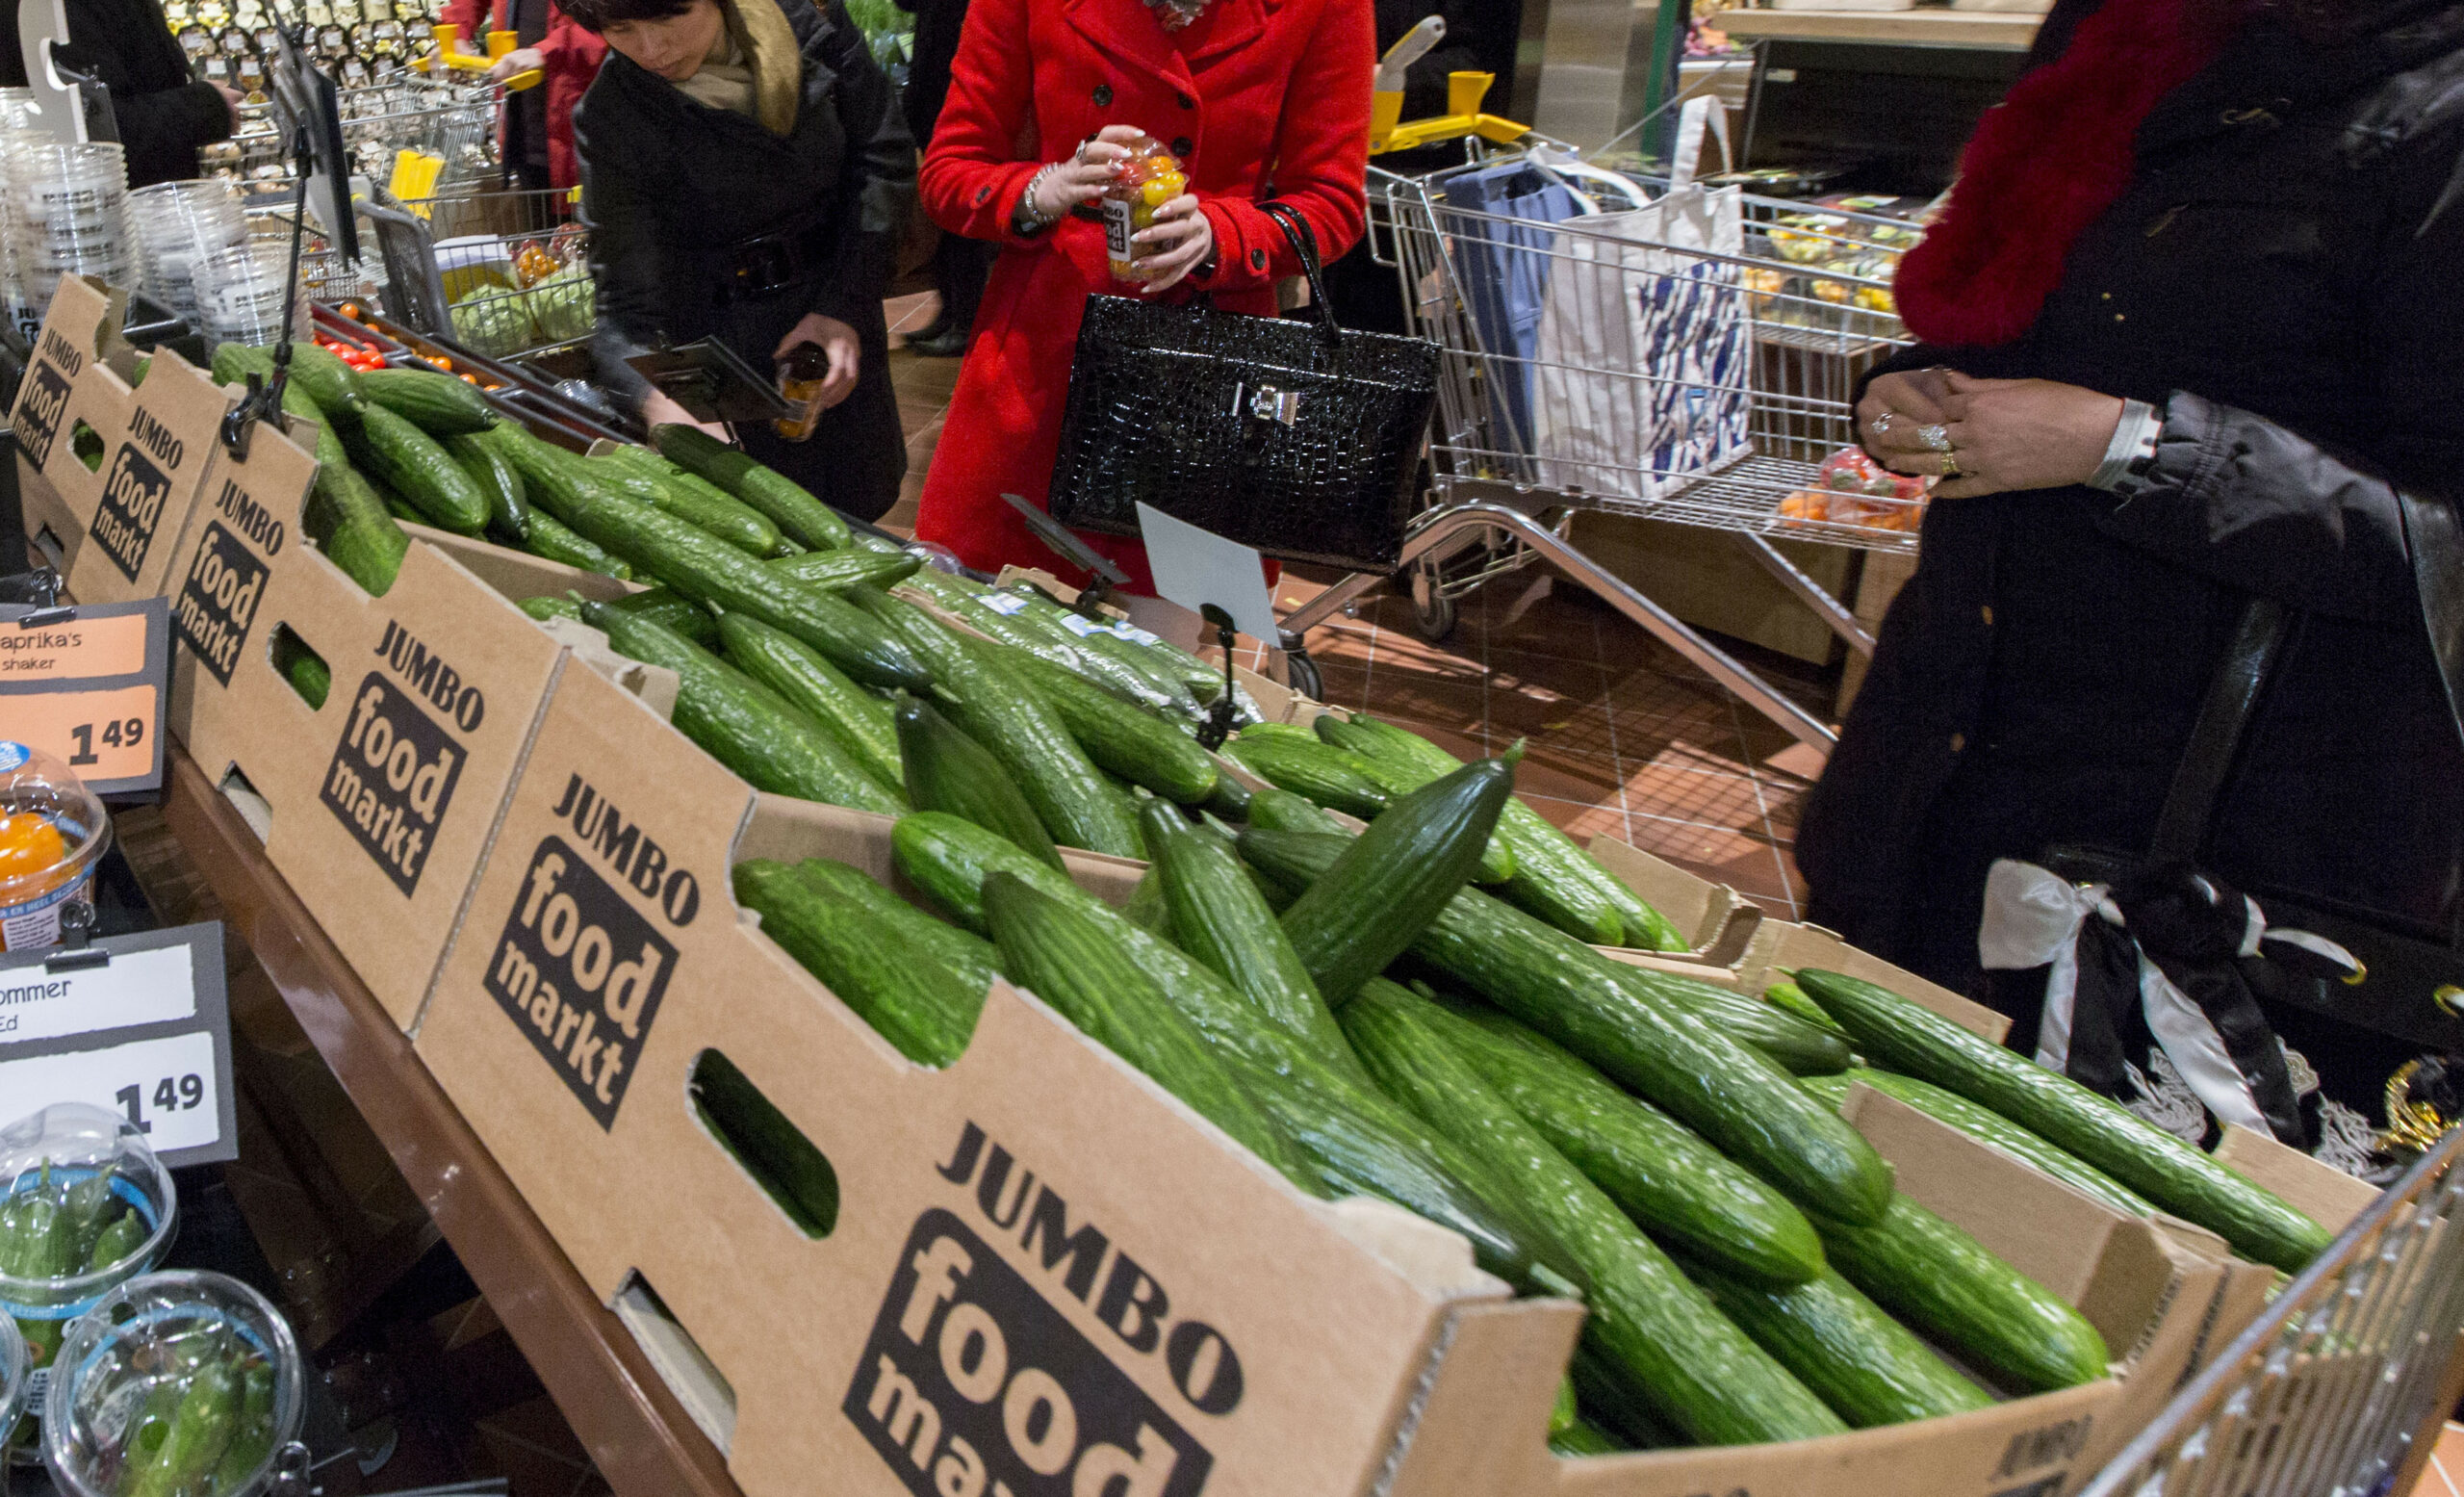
[520, 60]
[834, 338]
[1179, 225]
[2006, 435]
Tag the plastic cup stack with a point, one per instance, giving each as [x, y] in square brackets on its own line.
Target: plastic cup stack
[69, 214]
[239, 292]
[179, 227]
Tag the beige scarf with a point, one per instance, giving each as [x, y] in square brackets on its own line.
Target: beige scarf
[753, 69]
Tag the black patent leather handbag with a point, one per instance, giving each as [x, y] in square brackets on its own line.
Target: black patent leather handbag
[1293, 436]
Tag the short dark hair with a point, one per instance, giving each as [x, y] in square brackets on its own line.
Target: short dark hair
[596, 15]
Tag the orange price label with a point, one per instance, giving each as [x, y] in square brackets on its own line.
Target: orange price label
[99, 735]
[96, 647]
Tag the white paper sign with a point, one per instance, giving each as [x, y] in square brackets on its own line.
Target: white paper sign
[167, 1087]
[1194, 567]
[139, 988]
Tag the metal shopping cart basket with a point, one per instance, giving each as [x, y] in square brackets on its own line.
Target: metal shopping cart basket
[2341, 1387]
[1598, 353]
[504, 273]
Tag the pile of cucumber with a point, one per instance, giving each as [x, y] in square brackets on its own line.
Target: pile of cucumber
[64, 1227]
[1365, 1016]
[206, 1429]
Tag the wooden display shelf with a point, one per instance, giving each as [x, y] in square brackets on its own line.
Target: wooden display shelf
[2000, 31]
[642, 1440]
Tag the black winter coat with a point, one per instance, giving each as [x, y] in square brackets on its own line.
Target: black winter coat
[2284, 278]
[670, 185]
[938, 24]
[164, 113]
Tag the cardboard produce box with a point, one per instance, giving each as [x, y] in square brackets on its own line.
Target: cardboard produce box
[379, 804]
[117, 524]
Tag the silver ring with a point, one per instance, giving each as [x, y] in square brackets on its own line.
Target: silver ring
[1936, 437]
[1881, 424]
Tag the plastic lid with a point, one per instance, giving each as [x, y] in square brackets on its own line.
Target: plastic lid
[62, 1151]
[33, 783]
[161, 1348]
[12, 1375]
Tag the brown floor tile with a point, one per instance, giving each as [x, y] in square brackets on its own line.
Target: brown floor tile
[1561, 776]
[1556, 625]
[1346, 682]
[1744, 863]
[1461, 744]
[1711, 800]
[1582, 820]
[1458, 707]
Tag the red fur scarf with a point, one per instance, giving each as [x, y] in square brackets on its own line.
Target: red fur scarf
[2054, 155]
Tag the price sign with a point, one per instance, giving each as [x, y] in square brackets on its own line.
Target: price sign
[86, 685]
[134, 1024]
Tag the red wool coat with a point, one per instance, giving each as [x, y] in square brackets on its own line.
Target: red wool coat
[571, 57]
[1259, 97]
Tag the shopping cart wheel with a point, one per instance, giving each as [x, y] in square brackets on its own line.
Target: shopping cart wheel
[1432, 611]
[1301, 675]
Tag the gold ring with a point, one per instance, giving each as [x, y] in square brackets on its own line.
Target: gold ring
[1951, 466]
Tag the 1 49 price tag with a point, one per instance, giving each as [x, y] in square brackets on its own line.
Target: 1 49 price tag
[167, 1086]
[86, 685]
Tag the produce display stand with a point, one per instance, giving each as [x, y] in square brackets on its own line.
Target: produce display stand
[637, 1434]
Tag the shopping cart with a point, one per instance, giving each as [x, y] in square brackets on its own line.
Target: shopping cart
[1573, 349]
[447, 122]
[2341, 1387]
[502, 274]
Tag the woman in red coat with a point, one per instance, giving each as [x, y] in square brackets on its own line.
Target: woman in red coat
[1259, 99]
[537, 130]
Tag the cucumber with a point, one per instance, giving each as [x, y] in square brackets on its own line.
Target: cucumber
[696, 504]
[1000, 713]
[207, 1416]
[1496, 860]
[1791, 998]
[921, 1007]
[508, 506]
[971, 957]
[346, 518]
[1071, 962]
[1136, 745]
[1231, 798]
[308, 674]
[331, 383]
[1742, 1104]
[707, 569]
[1788, 1042]
[1100, 638]
[1327, 777]
[1146, 909]
[709, 492]
[1914, 1041]
[1217, 917]
[438, 405]
[857, 719]
[1934, 1275]
[1276, 809]
[1041, 638]
[798, 516]
[544, 608]
[1681, 1190]
[1700, 1372]
[1556, 880]
[946, 771]
[1582, 1438]
[1988, 1126]
[253, 1440]
[833, 570]
[1866, 1365]
[740, 724]
[409, 461]
[546, 535]
[1374, 900]
[680, 614]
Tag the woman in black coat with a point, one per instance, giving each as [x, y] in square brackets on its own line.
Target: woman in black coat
[164, 113]
[746, 173]
[2191, 338]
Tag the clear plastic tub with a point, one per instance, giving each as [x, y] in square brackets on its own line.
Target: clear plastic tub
[13, 1377]
[49, 1162]
[52, 833]
[152, 1374]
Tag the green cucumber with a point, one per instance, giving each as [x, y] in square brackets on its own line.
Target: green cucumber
[1791, 998]
[1134, 744]
[544, 608]
[1914, 1041]
[1685, 1193]
[1934, 1275]
[437, 404]
[1146, 909]
[1988, 1126]
[253, 1440]
[1789, 1042]
[1218, 917]
[1496, 860]
[1278, 810]
[679, 614]
[860, 721]
[798, 515]
[543, 534]
[741, 724]
[696, 503]
[331, 383]
[1555, 879]
[1698, 1371]
[1744, 1106]
[1327, 777]
[126, 1234]
[971, 957]
[833, 570]
[203, 1428]
[409, 461]
[921, 1007]
[1582, 1438]
[1040, 637]
[1071, 962]
[946, 771]
[1866, 1365]
[1376, 899]
[508, 506]
[1017, 727]
[1231, 798]
[346, 518]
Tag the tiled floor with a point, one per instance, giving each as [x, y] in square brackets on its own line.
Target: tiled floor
[1623, 736]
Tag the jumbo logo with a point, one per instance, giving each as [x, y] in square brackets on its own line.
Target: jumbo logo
[974, 1384]
[393, 774]
[40, 407]
[134, 493]
[219, 599]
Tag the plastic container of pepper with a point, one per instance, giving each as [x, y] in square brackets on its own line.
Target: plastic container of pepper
[177, 1385]
[52, 833]
[14, 1374]
[84, 1206]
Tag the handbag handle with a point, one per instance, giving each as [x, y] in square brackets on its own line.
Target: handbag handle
[1303, 239]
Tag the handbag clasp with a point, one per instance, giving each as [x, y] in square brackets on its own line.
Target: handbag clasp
[1265, 402]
